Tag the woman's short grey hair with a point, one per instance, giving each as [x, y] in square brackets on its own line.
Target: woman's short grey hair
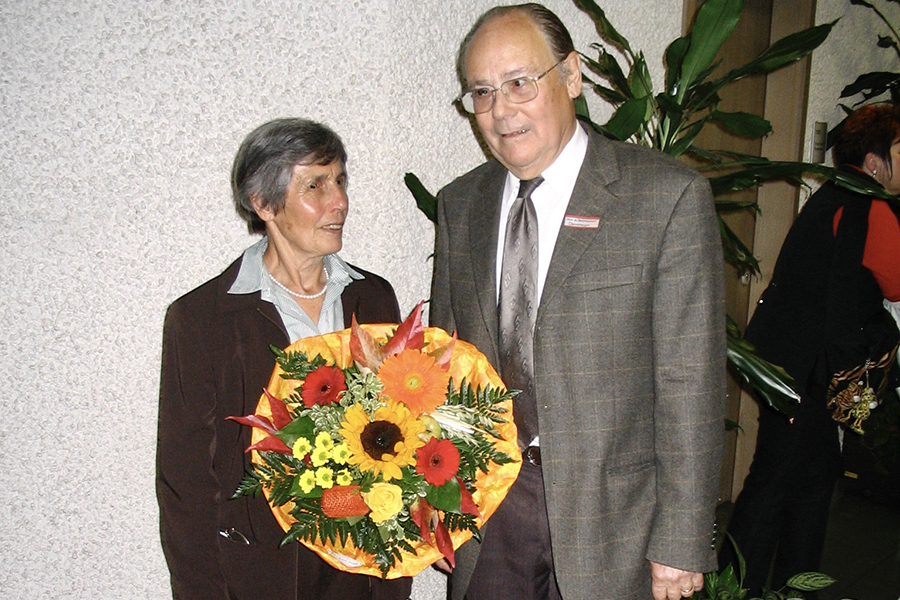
[551, 26]
[264, 164]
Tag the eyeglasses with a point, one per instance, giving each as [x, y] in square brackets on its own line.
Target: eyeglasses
[518, 91]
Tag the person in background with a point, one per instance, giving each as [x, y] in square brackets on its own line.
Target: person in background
[590, 273]
[289, 183]
[846, 245]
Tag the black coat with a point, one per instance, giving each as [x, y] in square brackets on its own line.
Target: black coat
[216, 360]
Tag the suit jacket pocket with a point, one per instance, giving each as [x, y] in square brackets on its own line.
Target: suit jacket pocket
[603, 278]
[634, 465]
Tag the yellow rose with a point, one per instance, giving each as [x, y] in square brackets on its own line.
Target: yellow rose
[385, 500]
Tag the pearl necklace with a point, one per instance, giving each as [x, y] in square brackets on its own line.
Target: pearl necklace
[295, 294]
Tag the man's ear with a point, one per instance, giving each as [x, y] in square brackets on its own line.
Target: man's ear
[572, 68]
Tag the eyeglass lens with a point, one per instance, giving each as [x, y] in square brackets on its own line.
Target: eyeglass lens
[516, 91]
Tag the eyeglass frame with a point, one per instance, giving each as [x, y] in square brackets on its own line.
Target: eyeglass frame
[533, 79]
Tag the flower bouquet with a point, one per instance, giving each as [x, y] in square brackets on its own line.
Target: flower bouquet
[382, 447]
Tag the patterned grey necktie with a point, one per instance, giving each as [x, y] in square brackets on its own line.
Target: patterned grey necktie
[517, 308]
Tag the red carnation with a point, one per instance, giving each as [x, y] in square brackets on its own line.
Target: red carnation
[438, 460]
[322, 386]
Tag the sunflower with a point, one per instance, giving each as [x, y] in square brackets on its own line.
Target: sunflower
[413, 378]
[384, 443]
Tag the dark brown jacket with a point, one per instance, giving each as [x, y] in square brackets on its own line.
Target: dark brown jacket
[216, 360]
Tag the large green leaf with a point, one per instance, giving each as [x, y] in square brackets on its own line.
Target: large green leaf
[607, 66]
[771, 383]
[810, 582]
[742, 123]
[736, 252]
[425, 200]
[628, 118]
[610, 95]
[673, 59]
[785, 51]
[684, 141]
[715, 22]
[876, 83]
[604, 27]
[639, 78]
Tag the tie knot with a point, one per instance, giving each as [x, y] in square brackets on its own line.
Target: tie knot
[527, 186]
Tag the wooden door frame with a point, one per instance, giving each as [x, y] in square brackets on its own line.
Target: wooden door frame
[783, 96]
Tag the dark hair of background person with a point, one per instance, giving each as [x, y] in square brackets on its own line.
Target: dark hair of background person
[264, 164]
[553, 29]
[871, 128]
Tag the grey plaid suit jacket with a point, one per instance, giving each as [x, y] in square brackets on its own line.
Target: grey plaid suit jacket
[629, 362]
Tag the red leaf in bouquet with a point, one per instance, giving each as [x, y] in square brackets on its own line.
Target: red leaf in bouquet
[280, 414]
[444, 543]
[323, 386]
[438, 461]
[255, 421]
[270, 443]
[421, 512]
[467, 502]
[363, 348]
[343, 501]
[443, 355]
[410, 335]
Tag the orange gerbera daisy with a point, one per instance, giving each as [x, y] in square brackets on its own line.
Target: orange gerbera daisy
[414, 379]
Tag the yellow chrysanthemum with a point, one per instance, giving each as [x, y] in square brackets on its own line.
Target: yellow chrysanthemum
[324, 478]
[307, 481]
[320, 456]
[412, 378]
[384, 443]
[323, 440]
[301, 448]
[343, 477]
[340, 453]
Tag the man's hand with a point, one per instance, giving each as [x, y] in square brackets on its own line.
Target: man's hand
[670, 583]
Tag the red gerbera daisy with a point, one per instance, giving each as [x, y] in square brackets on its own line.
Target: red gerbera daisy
[322, 386]
[438, 461]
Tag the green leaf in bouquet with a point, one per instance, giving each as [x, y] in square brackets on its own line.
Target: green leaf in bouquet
[445, 497]
[299, 427]
[296, 490]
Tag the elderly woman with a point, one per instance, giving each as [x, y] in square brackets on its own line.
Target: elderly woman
[840, 260]
[290, 183]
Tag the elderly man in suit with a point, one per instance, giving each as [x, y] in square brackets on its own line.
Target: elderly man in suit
[590, 273]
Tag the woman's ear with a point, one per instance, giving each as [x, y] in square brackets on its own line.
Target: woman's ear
[265, 213]
[873, 164]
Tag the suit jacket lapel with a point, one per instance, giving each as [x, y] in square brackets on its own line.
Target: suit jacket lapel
[590, 198]
[484, 219]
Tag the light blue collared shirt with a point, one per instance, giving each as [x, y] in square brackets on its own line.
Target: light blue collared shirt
[253, 277]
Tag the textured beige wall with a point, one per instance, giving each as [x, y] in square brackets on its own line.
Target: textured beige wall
[848, 52]
[119, 122]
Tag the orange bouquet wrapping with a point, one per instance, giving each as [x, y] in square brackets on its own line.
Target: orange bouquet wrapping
[382, 448]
